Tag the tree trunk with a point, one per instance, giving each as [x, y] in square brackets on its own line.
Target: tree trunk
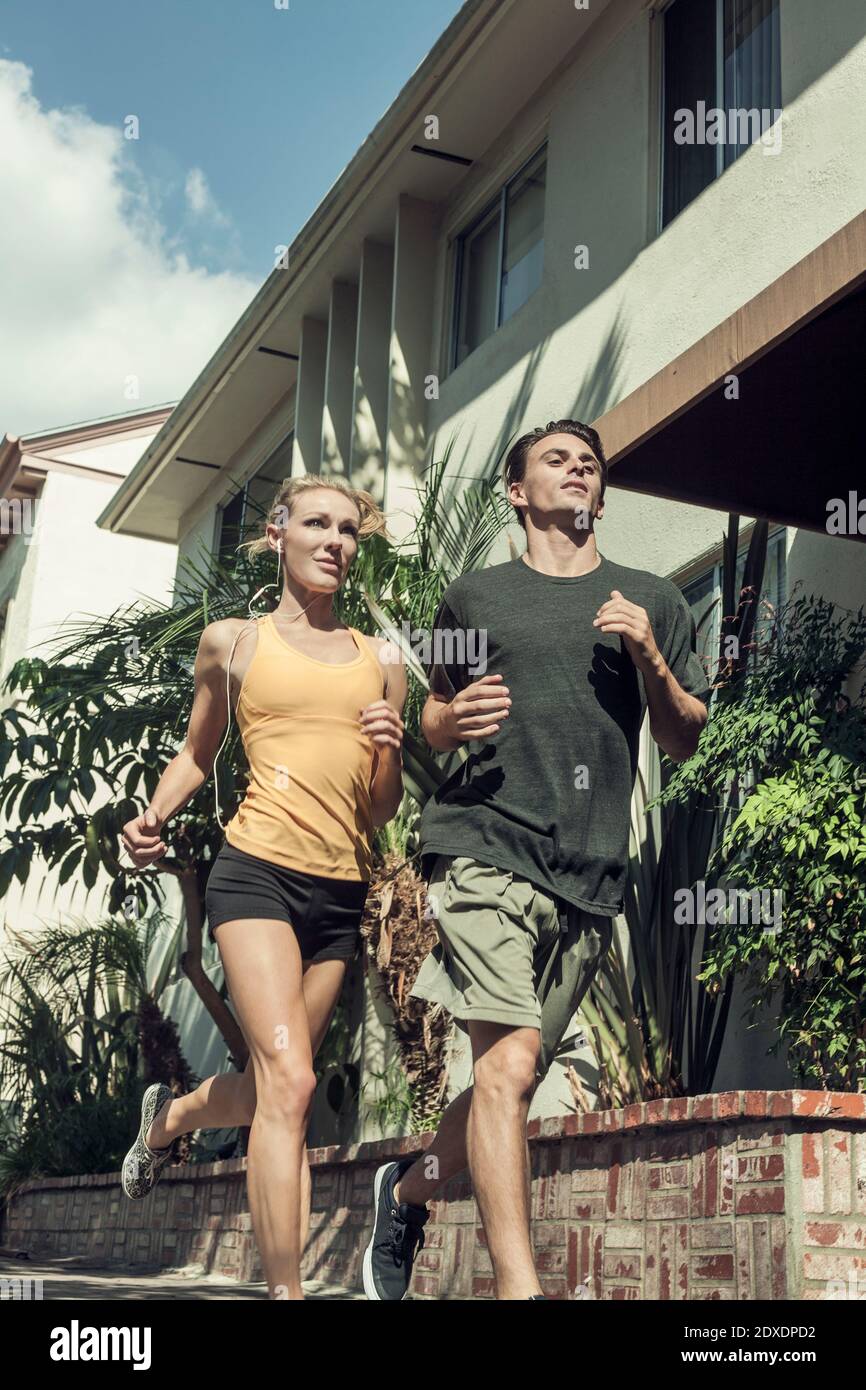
[191, 964]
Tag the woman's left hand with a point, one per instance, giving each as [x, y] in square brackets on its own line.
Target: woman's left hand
[381, 722]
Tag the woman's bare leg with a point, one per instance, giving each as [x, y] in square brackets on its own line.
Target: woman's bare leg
[229, 1100]
[264, 973]
[222, 1102]
[322, 985]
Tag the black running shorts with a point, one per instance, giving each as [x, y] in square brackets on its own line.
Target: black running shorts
[325, 913]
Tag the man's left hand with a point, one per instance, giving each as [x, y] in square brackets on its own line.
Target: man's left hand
[619, 615]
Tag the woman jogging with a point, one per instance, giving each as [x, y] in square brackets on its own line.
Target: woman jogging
[319, 710]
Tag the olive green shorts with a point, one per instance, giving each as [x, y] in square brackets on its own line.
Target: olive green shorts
[508, 952]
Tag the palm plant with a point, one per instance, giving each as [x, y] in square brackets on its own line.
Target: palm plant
[83, 1035]
[95, 724]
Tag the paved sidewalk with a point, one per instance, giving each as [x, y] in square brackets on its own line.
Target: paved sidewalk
[74, 1278]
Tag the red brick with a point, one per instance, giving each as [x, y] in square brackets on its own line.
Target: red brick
[728, 1105]
[619, 1265]
[812, 1160]
[550, 1261]
[666, 1176]
[760, 1167]
[745, 1272]
[755, 1103]
[780, 1103]
[425, 1285]
[661, 1206]
[840, 1105]
[757, 1200]
[548, 1233]
[828, 1233]
[717, 1267]
[839, 1173]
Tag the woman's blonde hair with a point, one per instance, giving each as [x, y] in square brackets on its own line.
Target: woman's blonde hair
[372, 517]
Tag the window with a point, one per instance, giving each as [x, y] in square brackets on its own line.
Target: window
[704, 596]
[722, 89]
[499, 258]
[242, 516]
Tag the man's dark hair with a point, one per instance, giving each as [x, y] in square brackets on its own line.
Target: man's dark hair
[515, 461]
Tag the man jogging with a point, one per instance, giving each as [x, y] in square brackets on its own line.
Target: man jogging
[525, 846]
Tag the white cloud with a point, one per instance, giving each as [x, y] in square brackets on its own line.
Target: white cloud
[93, 290]
[200, 200]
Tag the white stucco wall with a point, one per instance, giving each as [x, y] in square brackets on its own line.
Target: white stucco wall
[588, 337]
[70, 571]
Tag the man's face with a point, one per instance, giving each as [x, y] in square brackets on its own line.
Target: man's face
[561, 484]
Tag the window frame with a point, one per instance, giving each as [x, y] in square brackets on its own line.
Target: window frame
[243, 491]
[712, 566]
[718, 100]
[500, 200]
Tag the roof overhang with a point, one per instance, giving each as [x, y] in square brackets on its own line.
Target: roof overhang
[26, 461]
[785, 439]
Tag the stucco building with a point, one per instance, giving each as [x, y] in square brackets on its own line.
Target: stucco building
[649, 216]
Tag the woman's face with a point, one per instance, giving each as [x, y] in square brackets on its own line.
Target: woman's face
[320, 538]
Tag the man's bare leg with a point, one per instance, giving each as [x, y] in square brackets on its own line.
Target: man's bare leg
[500, 1163]
[442, 1159]
[504, 1065]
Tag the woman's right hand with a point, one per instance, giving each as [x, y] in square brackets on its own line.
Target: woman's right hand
[141, 839]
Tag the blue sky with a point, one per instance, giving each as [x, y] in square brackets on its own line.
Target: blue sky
[247, 116]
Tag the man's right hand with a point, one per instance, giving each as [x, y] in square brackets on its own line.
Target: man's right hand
[477, 711]
[141, 839]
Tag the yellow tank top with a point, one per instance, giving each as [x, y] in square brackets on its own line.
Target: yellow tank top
[307, 805]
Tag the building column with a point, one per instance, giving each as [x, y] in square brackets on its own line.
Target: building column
[339, 367]
[411, 339]
[370, 402]
[310, 398]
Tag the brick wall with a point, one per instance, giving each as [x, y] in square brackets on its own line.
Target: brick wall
[740, 1195]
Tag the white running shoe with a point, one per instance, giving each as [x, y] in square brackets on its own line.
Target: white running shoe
[141, 1167]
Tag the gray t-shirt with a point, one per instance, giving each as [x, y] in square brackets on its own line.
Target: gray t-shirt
[548, 797]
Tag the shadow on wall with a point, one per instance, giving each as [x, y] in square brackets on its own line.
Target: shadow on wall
[834, 567]
[599, 386]
[745, 1063]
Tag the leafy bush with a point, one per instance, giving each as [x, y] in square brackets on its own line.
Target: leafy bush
[786, 754]
[82, 1036]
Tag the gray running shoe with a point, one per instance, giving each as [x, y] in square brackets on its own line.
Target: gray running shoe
[142, 1165]
[398, 1235]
